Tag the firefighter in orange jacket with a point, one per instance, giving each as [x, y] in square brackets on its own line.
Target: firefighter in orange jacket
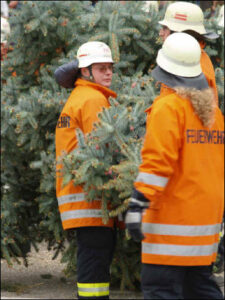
[189, 18]
[180, 186]
[95, 240]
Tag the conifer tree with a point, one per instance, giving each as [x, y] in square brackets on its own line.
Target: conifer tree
[31, 103]
[44, 35]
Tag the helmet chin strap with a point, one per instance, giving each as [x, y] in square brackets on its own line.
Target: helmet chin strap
[91, 74]
[91, 77]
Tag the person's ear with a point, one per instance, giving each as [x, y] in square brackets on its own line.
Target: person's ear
[85, 72]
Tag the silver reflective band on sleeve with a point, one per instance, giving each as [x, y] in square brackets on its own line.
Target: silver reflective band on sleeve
[140, 203]
[71, 198]
[133, 217]
[179, 250]
[152, 179]
[81, 213]
[181, 230]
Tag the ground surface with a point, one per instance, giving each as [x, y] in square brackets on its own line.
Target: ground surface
[44, 279]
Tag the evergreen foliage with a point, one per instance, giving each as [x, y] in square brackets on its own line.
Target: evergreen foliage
[215, 48]
[44, 35]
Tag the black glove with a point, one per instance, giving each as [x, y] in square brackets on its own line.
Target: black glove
[133, 219]
[66, 75]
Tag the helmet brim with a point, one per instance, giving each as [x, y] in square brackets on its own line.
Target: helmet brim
[176, 67]
[180, 27]
[183, 27]
[211, 35]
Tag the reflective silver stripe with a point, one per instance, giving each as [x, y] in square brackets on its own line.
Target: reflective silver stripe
[178, 250]
[71, 198]
[133, 217]
[93, 290]
[140, 203]
[81, 213]
[152, 179]
[181, 230]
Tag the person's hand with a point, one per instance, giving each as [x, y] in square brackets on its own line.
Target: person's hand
[133, 218]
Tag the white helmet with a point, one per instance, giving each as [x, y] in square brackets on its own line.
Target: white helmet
[180, 55]
[5, 30]
[93, 52]
[181, 16]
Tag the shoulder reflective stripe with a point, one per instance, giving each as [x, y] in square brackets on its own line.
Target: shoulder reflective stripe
[152, 179]
[81, 213]
[93, 289]
[181, 230]
[179, 250]
[71, 198]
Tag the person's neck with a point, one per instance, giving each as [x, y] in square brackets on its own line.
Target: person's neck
[87, 78]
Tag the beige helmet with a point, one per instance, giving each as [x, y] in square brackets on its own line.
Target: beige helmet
[180, 55]
[93, 52]
[181, 16]
[5, 30]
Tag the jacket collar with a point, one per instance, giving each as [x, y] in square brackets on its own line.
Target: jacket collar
[106, 91]
[165, 91]
[198, 82]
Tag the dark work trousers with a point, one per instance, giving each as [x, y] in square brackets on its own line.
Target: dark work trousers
[94, 256]
[178, 282]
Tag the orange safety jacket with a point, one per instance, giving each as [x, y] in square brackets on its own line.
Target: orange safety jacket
[182, 174]
[80, 111]
[207, 69]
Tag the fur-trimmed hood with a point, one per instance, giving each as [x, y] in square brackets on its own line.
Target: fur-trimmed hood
[203, 102]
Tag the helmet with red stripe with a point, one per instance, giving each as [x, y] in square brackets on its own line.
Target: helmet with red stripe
[182, 16]
[93, 52]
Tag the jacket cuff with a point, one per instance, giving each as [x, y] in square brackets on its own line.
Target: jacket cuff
[138, 196]
[138, 200]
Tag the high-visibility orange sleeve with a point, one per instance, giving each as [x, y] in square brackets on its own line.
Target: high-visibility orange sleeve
[161, 146]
